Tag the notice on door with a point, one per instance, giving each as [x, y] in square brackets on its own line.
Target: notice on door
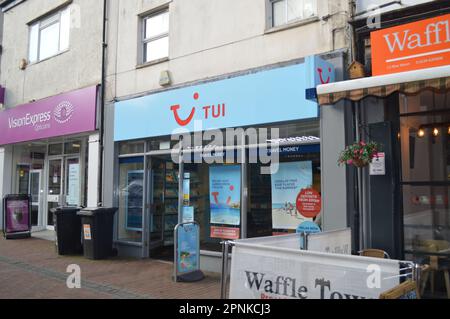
[378, 165]
[73, 192]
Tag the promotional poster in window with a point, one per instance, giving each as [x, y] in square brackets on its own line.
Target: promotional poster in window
[287, 184]
[225, 195]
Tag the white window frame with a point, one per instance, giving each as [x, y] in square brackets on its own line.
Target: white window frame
[41, 27]
[144, 41]
[271, 18]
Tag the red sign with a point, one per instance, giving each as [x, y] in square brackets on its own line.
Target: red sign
[225, 233]
[309, 203]
[413, 46]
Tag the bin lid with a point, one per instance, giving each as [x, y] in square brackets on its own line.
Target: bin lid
[91, 211]
[62, 210]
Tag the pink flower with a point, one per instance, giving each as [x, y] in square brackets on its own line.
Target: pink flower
[350, 162]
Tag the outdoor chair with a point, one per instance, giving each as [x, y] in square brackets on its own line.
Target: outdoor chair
[437, 264]
[375, 253]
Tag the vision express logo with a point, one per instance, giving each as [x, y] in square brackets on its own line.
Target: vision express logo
[62, 114]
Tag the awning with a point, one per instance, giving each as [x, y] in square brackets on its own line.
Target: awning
[410, 83]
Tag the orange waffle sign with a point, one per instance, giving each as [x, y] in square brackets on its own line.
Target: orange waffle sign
[418, 45]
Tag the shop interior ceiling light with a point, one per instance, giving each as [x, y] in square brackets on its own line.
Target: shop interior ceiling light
[436, 132]
[421, 133]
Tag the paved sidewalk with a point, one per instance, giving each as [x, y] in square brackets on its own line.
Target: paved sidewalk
[31, 268]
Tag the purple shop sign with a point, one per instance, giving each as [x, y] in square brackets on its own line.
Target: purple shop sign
[64, 114]
[17, 216]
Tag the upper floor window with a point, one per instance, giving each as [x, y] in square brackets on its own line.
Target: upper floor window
[49, 36]
[287, 11]
[156, 36]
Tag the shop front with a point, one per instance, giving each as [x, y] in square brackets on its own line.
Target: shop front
[49, 152]
[232, 154]
[403, 203]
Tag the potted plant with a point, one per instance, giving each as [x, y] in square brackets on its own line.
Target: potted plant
[359, 154]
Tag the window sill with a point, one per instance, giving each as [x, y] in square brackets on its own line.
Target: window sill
[127, 243]
[292, 25]
[209, 253]
[154, 62]
[50, 57]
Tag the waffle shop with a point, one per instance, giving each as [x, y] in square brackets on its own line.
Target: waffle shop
[204, 152]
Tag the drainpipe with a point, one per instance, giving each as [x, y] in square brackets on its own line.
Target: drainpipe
[352, 53]
[103, 104]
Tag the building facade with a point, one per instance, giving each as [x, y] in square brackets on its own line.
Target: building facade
[400, 103]
[180, 71]
[51, 69]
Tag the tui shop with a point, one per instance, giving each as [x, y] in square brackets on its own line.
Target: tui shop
[234, 154]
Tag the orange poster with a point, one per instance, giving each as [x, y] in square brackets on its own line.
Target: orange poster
[413, 46]
[225, 232]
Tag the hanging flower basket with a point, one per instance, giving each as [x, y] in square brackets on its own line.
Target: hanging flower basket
[359, 154]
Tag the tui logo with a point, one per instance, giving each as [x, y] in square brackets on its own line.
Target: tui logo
[328, 79]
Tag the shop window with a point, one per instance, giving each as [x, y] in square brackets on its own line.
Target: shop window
[161, 144]
[131, 199]
[49, 36]
[23, 175]
[127, 148]
[215, 198]
[272, 199]
[55, 149]
[425, 137]
[72, 147]
[288, 11]
[425, 153]
[155, 41]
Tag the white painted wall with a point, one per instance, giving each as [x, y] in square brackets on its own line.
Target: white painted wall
[93, 170]
[78, 67]
[212, 38]
[5, 175]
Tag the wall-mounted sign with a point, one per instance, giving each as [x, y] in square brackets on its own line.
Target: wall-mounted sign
[321, 72]
[267, 96]
[378, 165]
[418, 45]
[64, 114]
